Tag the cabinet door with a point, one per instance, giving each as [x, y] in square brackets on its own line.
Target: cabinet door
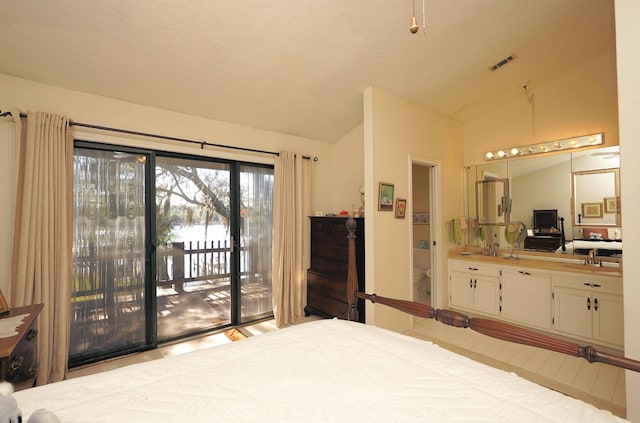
[572, 311]
[486, 294]
[608, 319]
[461, 290]
[526, 297]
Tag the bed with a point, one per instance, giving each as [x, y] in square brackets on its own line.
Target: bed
[605, 247]
[593, 238]
[328, 370]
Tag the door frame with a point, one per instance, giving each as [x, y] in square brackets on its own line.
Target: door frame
[435, 224]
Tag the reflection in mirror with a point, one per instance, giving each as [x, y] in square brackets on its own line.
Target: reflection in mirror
[545, 183]
[596, 197]
[493, 203]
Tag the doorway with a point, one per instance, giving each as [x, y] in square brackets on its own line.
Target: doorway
[424, 239]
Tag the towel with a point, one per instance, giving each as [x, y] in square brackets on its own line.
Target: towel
[480, 233]
[455, 231]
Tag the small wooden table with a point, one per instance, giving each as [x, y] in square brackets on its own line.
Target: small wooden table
[18, 361]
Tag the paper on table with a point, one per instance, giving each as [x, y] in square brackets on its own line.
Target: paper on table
[9, 325]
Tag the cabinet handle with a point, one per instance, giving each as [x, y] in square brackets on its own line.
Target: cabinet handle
[596, 285]
[31, 335]
[588, 303]
[32, 370]
[595, 304]
[15, 363]
[475, 283]
[522, 272]
[587, 284]
[470, 283]
[473, 269]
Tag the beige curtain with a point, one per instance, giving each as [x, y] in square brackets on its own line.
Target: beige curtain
[42, 237]
[291, 209]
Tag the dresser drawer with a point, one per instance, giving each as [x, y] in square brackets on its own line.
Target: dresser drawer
[22, 364]
[326, 306]
[326, 286]
[18, 360]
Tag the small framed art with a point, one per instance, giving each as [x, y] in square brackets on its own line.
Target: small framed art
[401, 208]
[385, 197]
[611, 204]
[591, 210]
[4, 307]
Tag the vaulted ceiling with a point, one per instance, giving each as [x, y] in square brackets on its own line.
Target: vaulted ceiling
[300, 67]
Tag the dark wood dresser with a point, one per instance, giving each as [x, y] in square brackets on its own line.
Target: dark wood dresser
[542, 243]
[18, 361]
[327, 276]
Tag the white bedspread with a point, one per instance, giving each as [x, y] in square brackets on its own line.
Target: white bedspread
[580, 244]
[328, 370]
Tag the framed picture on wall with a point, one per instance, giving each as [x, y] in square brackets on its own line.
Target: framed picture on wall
[4, 307]
[385, 197]
[401, 208]
[591, 210]
[611, 204]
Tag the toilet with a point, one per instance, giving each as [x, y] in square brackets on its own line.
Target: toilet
[422, 271]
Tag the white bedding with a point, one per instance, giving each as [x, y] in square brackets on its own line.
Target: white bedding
[327, 370]
[580, 244]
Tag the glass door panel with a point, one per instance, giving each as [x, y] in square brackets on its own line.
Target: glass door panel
[256, 236]
[194, 268]
[109, 250]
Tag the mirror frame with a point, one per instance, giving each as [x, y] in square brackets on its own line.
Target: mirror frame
[578, 210]
[503, 207]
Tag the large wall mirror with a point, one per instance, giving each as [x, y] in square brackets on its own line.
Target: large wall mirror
[576, 194]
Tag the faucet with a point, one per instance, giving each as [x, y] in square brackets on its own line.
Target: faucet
[593, 258]
[491, 250]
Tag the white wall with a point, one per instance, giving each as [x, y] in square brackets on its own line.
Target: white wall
[87, 108]
[583, 101]
[395, 130]
[347, 174]
[627, 35]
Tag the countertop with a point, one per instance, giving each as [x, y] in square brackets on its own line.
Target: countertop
[536, 261]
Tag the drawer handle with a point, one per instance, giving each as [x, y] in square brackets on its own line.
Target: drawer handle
[596, 285]
[32, 370]
[522, 272]
[31, 335]
[15, 363]
[473, 269]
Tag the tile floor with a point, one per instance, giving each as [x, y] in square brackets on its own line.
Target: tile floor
[598, 384]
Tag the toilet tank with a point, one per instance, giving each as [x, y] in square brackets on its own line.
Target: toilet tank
[422, 258]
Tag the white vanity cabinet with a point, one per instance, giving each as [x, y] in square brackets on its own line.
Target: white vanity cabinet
[589, 307]
[526, 296]
[474, 286]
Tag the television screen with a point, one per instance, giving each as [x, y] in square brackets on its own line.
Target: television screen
[545, 219]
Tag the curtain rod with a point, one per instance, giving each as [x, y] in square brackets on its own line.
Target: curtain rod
[202, 144]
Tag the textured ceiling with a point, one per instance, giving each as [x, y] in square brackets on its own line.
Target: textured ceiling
[299, 67]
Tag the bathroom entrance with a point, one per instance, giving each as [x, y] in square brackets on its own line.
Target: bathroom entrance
[424, 178]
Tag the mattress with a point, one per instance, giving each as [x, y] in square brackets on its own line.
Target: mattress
[327, 370]
[583, 246]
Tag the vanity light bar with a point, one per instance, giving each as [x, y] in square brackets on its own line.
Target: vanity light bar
[546, 147]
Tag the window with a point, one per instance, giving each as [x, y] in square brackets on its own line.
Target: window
[165, 246]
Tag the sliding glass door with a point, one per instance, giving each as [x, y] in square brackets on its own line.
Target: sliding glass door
[110, 253]
[166, 246]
